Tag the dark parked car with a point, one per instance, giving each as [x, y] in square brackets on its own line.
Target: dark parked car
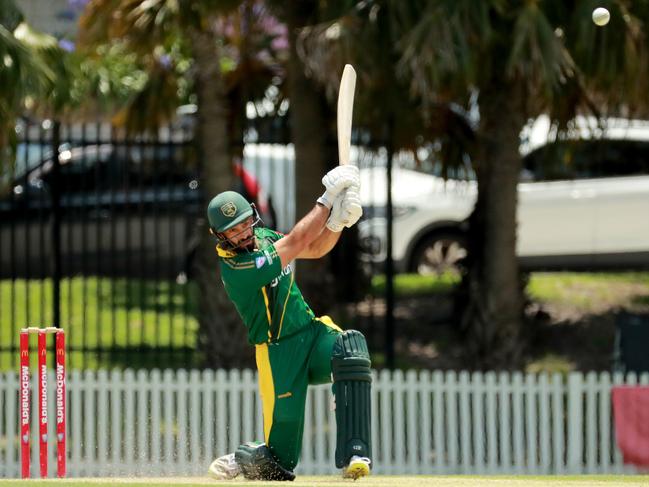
[124, 209]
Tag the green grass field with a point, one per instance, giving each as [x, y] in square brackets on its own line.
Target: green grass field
[416, 285]
[102, 313]
[591, 292]
[376, 481]
[585, 290]
[128, 316]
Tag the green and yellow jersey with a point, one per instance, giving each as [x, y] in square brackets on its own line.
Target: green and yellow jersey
[265, 295]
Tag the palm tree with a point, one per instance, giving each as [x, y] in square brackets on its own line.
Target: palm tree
[223, 55]
[361, 34]
[518, 59]
[310, 118]
[148, 28]
[510, 61]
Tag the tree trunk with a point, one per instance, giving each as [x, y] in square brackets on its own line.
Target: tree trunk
[493, 315]
[222, 334]
[313, 153]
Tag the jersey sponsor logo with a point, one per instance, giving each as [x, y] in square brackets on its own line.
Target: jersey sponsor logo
[268, 256]
[260, 261]
[229, 209]
[285, 272]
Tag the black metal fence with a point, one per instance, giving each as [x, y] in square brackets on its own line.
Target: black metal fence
[97, 233]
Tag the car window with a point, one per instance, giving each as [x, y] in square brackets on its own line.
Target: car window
[160, 164]
[28, 156]
[460, 171]
[115, 167]
[587, 159]
[81, 168]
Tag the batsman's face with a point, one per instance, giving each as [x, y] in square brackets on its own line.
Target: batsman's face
[241, 235]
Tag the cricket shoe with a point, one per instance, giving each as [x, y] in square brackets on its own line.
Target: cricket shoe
[224, 468]
[358, 467]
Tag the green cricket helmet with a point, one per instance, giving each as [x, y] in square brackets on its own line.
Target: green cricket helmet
[227, 210]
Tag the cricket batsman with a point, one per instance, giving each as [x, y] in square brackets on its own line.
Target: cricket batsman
[294, 348]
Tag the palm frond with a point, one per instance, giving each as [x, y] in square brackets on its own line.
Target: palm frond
[10, 14]
[47, 48]
[443, 48]
[146, 23]
[97, 22]
[23, 72]
[326, 47]
[24, 75]
[537, 53]
[154, 104]
[614, 60]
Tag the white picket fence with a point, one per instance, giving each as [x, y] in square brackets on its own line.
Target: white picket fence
[175, 422]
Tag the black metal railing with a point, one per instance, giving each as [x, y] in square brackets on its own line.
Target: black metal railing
[97, 233]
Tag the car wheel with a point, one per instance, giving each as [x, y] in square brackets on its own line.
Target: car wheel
[439, 254]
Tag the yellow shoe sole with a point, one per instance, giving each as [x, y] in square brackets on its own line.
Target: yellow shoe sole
[357, 470]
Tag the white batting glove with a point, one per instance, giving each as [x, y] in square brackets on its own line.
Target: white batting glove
[336, 180]
[353, 210]
[346, 210]
[335, 222]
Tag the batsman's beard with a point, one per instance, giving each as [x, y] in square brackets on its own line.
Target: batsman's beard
[248, 245]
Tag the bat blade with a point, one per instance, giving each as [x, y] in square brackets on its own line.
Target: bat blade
[345, 111]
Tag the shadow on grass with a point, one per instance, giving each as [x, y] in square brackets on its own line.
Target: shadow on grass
[126, 357]
[427, 338]
[145, 357]
[157, 296]
[642, 300]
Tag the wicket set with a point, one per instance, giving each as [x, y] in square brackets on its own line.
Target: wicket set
[42, 400]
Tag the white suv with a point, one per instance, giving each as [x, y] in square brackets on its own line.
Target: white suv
[582, 204]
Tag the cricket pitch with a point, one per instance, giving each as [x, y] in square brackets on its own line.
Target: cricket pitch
[371, 481]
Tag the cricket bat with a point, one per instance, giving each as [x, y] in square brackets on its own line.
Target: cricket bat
[345, 111]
